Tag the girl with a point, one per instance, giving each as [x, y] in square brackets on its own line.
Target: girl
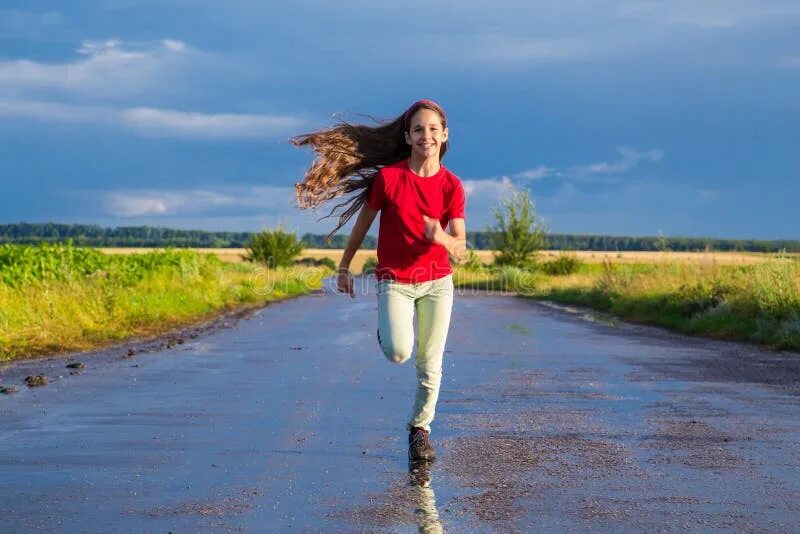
[395, 168]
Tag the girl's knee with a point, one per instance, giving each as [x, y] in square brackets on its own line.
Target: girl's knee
[394, 352]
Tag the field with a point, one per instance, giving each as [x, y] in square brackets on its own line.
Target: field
[749, 301]
[721, 258]
[58, 298]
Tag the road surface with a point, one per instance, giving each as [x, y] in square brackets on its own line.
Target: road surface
[291, 419]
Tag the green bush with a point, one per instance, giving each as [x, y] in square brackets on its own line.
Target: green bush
[317, 262]
[705, 294]
[517, 235]
[275, 248]
[520, 281]
[472, 262]
[370, 265]
[563, 265]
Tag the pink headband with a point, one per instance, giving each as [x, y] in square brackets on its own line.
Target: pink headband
[420, 103]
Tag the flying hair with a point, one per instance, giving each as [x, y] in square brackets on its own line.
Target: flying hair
[348, 156]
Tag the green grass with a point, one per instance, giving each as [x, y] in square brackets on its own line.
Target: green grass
[758, 303]
[57, 298]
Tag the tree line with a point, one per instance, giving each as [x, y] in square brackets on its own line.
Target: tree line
[151, 236]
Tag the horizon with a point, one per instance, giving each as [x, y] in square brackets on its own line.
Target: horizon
[373, 235]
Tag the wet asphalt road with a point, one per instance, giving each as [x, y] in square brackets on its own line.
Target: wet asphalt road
[292, 420]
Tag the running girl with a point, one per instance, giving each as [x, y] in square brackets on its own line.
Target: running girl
[395, 168]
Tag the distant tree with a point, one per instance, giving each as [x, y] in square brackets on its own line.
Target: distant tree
[149, 236]
[662, 243]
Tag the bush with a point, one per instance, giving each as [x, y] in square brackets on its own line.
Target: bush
[472, 262]
[517, 280]
[517, 235]
[317, 262]
[275, 248]
[370, 265]
[563, 265]
[705, 294]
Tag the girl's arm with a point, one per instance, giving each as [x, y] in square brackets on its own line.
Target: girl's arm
[344, 280]
[360, 229]
[458, 230]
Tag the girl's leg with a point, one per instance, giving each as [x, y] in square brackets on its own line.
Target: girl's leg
[395, 320]
[433, 321]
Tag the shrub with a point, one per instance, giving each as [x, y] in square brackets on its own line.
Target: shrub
[275, 248]
[565, 264]
[317, 262]
[705, 294]
[517, 235]
[370, 265]
[520, 281]
[472, 262]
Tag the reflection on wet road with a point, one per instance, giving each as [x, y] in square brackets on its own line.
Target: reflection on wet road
[294, 420]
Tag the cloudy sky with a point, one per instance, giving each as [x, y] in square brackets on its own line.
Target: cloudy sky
[621, 117]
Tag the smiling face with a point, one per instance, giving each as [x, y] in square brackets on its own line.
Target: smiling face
[426, 134]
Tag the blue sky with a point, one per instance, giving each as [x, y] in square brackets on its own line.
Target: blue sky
[621, 117]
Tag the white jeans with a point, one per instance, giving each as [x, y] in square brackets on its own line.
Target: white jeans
[433, 303]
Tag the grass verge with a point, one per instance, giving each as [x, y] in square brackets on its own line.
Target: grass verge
[757, 303]
[66, 307]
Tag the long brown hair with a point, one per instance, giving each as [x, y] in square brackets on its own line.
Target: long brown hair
[348, 156]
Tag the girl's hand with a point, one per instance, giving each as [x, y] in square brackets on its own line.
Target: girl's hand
[344, 282]
[433, 229]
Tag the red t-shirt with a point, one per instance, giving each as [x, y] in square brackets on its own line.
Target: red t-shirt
[402, 196]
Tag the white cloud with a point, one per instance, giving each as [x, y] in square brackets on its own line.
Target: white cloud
[630, 159]
[105, 68]
[488, 188]
[485, 194]
[538, 173]
[482, 196]
[133, 206]
[169, 123]
[174, 45]
[138, 202]
[239, 208]
[113, 70]
[155, 122]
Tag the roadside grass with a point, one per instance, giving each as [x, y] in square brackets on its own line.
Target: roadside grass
[758, 302]
[56, 298]
[59, 298]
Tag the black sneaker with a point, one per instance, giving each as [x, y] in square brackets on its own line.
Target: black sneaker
[419, 445]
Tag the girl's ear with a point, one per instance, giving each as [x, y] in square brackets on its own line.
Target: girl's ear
[445, 134]
[408, 138]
